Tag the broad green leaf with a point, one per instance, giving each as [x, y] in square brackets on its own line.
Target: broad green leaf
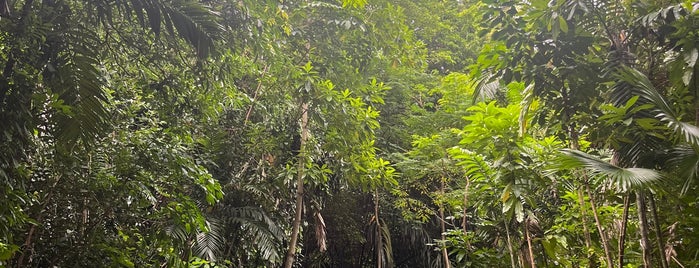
[563, 24]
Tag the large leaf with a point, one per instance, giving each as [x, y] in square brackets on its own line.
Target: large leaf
[642, 86]
[264, 232]
[192, 21]
[209, 243]
[75, 77]
[624, 178]
[487, 88]
[685, 160]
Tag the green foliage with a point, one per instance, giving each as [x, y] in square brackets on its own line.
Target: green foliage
[466, 255]
[168, 133]
[623, 178]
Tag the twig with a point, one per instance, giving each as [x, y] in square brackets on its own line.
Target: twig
[254, 98]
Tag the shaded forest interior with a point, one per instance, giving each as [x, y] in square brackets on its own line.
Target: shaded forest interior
[349, 133]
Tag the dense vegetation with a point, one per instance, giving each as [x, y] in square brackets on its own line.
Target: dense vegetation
[353, 133]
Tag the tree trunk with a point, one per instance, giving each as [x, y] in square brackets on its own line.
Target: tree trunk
[574, 144]
[296, 226]
[509, 244]
[583, 217]
[529, 245]
[643, 224]
[464, 220]
[379, 238]
[445, 254]
[624, 223]
[602, 234]
[658, 232]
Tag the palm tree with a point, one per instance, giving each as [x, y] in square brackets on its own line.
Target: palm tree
[58, 89]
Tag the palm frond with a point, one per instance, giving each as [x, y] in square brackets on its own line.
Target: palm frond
[192, 21]
[666, 14]
[603, 17]
[177, 232]
[641, 151]
[527, 100]
[475, 167]
[624, 178]
[321, 232]
[664, 112]
[387, 245]
[264, 232]
[210, 243]
[685, 161]
[486, 88]
[383, 233]
[80, 86]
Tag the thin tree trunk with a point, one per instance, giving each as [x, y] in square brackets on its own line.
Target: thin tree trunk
[28, 245]
[509, 245]
[624, 223]
[445, 254]
[583, 217]
[658, 232]
[696, 96]
[643, 224]
[379, 238]
[464, 220]
[602, 234]
[254, 98]
[574, 144]
[529, 244]
[296, 226]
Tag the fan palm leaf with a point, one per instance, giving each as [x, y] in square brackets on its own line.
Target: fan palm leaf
[624, 178]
